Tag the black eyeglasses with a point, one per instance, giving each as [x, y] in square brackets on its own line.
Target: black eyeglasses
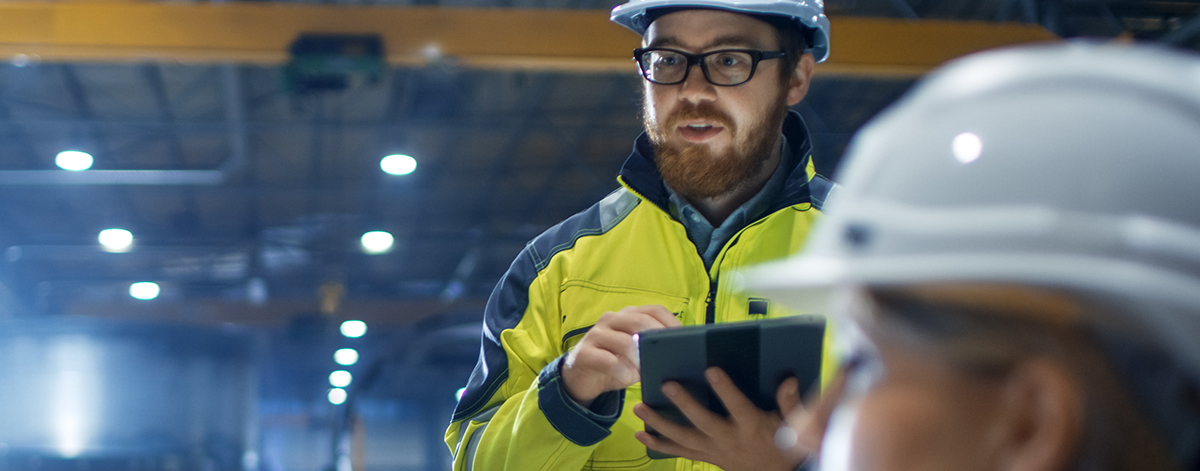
[726, 67]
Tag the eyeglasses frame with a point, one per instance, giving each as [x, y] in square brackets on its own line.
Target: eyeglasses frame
[756, 56]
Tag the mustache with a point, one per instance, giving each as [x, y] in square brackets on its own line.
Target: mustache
[704, 111]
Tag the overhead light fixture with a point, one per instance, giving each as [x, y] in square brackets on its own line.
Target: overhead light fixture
[337, 396]
[354, 329]
[20, 60]
[377, 242]
[346, 356]
[398, 164]
[144, 290]
[116, 240]
[74, 160]
[340, 378]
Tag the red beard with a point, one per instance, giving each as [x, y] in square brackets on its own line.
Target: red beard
[694, 172]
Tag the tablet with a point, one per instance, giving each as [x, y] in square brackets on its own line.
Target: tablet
[757, 355]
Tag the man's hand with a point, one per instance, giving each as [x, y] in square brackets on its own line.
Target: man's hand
[607, 359]
[743, 441]
[804, 430]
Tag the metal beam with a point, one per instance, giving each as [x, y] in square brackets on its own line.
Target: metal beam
[1189, 29]
[112, 177]
[565, 40]
[234, 125]
[532, 98]
[907, 48]
[152, 73]
[571, 147]
[155, 128]
[217, 312]
[905, 9]
[18, 135]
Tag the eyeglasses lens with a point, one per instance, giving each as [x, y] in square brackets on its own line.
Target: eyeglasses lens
[722, 67]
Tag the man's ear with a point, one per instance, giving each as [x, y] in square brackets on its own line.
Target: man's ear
[1041, 424]
[801, 77]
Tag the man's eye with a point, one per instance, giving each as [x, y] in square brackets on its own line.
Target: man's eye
[730, 60]
[668, 60]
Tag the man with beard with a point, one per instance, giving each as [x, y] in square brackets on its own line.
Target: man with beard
[721, 179]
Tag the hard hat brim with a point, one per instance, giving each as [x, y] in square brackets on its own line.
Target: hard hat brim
[637, 15]
[803, 283]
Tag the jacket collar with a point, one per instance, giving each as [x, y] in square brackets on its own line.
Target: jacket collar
[641, 175]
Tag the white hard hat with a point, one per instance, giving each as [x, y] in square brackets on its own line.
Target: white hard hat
[1072, 166]
[809, 15]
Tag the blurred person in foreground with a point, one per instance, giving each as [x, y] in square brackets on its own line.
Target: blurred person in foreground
[721, 179]
[1016, 254]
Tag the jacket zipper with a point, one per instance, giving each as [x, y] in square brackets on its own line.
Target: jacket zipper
[711, 315]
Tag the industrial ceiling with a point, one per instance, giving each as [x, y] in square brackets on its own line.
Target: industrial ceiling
[247, 201]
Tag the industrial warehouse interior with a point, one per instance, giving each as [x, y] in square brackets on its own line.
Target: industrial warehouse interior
[259, 235]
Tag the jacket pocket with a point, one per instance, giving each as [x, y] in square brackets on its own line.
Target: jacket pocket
[583, 302]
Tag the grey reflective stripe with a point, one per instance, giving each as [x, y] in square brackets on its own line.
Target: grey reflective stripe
[462, 430]
[614, 207]
[469, 458]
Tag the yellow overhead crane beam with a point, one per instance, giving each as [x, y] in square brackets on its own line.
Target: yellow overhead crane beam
[560, 40]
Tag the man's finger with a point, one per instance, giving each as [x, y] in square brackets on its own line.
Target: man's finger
[735, 400]
[632, 320]
[824, 407]
[620, 344]
[667, 428]
[809, 423]
[788, 395]
[704, 419]
[624, 347]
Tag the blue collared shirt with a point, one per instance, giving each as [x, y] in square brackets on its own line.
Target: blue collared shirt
[710, 240]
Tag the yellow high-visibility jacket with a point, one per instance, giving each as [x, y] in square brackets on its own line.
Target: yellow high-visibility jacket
[626, 250]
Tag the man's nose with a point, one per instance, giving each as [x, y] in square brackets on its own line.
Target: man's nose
[696, 87]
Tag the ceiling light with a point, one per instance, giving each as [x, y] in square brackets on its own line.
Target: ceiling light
[377, 242]
[431, 52]
[116, 240]
[398, 164]
[74, 160]
[354, 329]
[346, 356]
[340, 378]
[337, 396]
[144, 290]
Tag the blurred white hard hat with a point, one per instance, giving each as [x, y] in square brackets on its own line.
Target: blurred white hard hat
[1072, 166]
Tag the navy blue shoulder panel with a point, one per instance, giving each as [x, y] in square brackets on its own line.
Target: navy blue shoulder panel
[796, 188]
[509, 300]
[641, 173]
